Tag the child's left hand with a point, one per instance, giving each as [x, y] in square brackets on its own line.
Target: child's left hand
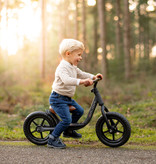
[100, 76]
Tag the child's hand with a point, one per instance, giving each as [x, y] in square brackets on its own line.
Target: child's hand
[100, 76]
[86, 82]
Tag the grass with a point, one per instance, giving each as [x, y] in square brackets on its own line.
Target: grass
[77, 144]
[142, 124]
[135, 100]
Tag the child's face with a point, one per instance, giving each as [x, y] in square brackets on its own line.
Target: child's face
[75, 57]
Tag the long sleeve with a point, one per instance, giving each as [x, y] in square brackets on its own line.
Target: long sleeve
[66, 78]
[84, 75]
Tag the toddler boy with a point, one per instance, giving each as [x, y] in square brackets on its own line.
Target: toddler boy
[67, 77]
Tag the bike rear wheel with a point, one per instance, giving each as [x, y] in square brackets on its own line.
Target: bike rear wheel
[33, 125]
[118, 134]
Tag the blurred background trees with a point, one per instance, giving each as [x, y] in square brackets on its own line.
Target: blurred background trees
[120, 42]
[119, 36]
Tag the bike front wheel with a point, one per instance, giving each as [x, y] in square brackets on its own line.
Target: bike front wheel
[118, 134]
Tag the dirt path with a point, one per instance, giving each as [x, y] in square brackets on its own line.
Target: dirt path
[72, 155]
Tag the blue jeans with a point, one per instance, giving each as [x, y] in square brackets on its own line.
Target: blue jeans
[60, 104]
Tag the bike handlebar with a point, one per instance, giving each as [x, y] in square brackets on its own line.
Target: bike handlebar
[96, 80]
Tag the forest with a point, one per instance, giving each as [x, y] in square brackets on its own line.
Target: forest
[120, 42]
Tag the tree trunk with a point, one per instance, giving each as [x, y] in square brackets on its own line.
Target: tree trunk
[67, 28]
[61, 26]
[84, 34]
[95, 37]
[76, 21]
[146, 46]
[102, 23]
[118, 30]
[43, 38]
[139, 29]
[0, 30]
[127, 39]
[7, 36]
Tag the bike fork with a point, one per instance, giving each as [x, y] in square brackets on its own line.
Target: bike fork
[105, 117]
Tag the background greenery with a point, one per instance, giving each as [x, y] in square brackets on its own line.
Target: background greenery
[136, 101]
[26, 79]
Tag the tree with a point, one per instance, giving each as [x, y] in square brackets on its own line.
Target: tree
[118, 30]
[102, 23]
[76, 21]
[127, 40]
[0, 29]
[6, 40]
[95, 41]
[43, 38]
[84, 33]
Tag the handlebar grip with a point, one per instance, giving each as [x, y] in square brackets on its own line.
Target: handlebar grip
[96, 80]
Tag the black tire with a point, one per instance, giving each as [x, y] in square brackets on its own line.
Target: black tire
[121, 130]
[32, 122]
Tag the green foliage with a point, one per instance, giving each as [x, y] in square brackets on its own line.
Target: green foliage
[136, 100]
[11, 134]
[24, 111]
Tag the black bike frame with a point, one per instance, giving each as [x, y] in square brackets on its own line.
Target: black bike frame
[97, 100]
[76, 126]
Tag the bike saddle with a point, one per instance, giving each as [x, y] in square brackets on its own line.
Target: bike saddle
[71, 108]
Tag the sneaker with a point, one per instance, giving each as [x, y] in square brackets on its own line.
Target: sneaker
[72, 134]
[55, 143]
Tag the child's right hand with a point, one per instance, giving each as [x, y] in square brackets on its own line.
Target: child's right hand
[86, 82]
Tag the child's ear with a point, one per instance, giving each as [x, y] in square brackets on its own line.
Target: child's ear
[67, 53]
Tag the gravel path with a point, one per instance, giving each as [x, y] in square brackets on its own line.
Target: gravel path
[42, 154]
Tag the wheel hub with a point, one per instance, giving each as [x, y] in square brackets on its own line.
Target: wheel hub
[112, 130]
[39, 129]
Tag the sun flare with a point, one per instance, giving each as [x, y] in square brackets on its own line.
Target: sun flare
[153, 52]
[19, 24]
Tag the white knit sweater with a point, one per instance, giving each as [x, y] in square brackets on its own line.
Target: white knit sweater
[67, 77]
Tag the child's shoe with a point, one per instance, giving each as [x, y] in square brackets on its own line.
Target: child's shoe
[72, 134]
[55, 143]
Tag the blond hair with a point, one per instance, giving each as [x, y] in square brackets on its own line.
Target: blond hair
[70, 45]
